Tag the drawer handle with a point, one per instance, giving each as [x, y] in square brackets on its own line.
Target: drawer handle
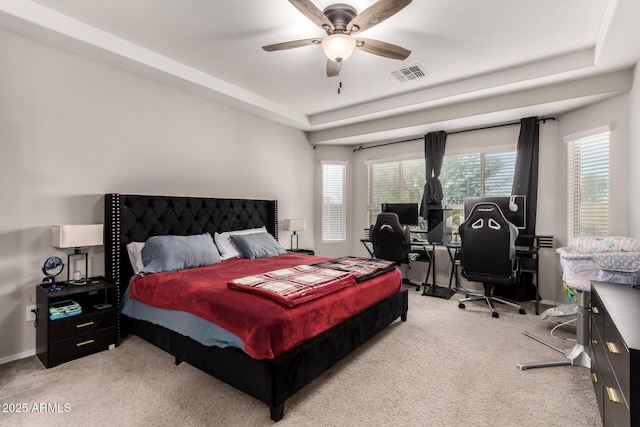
[594, 378]
[80, 344]
[613, 395]
[82, 325]
[594, 342]
[613, 349]
[595, 310]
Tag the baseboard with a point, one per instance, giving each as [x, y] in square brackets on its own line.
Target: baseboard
[18, 356]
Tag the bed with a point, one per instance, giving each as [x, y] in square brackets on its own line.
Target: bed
[135, 218]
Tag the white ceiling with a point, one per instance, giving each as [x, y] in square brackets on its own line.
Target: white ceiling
[486, 61]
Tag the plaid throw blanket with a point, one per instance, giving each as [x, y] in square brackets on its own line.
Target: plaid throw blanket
[294, 285]
[362, 268]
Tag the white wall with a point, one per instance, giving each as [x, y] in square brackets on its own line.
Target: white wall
[72, 129]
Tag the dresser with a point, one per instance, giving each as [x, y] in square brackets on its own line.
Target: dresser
[615, 352]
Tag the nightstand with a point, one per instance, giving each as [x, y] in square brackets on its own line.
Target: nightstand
[303, 251]
[91, 331]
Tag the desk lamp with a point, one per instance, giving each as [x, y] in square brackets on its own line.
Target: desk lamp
[294, 225]
[77, 237]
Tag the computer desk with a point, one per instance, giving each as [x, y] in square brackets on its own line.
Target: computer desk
[429, 249]
[434, 290]
[528, 256]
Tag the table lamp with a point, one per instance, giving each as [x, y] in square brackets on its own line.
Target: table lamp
[294, 225]
[77, 237]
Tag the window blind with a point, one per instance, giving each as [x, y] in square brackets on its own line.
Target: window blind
[588, 194]
[462, 175]
[333, 201]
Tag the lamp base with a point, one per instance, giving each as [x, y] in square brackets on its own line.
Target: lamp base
[84, 255]
[294, 241]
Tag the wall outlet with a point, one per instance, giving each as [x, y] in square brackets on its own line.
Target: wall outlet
[30, 315]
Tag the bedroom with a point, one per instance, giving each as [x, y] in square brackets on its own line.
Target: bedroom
[74, 128]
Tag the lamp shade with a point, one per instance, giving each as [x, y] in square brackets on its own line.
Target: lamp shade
[338, 47]
[77, 236]
[294, 224]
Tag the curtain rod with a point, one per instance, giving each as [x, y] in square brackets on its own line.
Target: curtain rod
[543, 120]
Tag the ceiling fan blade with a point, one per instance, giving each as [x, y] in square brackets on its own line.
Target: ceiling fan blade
[380, 48]
[316, 16]
[292, 44]
[376, 13]
[333, 68]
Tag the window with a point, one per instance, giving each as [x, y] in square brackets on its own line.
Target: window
[333, 201]
[588, 195]
[462, 175]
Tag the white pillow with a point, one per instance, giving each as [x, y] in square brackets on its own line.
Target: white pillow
[226, 247]
[134, 249]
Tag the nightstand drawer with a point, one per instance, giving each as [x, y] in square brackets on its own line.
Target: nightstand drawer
[63, 350]
[80, 325]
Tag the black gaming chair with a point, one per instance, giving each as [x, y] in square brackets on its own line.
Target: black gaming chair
[488, 253]
[392, 242]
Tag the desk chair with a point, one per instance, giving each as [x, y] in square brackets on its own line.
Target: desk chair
[392, 242]
[488, 253]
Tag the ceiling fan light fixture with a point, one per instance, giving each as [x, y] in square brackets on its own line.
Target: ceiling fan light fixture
[338, 47]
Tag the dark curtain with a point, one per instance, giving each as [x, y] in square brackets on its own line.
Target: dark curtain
[525, 177]
[434, 146]
[525, 183]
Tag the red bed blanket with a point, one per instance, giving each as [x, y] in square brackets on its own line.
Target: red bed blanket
[266, 327]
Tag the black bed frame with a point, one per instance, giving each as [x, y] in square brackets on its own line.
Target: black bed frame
[131, 218]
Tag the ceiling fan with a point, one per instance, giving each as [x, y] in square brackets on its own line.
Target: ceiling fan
[341, 22]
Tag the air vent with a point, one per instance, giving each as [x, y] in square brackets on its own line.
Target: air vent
[412, 72]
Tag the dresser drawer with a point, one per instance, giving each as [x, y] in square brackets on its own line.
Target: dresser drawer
[618, 355]
[597, 348]
[615, 406]
[68, 349]
[597, 313]
[81, 325]
[596, 379]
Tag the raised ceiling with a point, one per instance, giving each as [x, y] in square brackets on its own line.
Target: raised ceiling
[485, 61]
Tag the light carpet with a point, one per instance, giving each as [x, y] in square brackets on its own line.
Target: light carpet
[443, 367]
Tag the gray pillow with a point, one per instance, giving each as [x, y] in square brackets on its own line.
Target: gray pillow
[172, 253]
[257, 245]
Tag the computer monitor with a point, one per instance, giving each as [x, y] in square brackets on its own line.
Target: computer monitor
[516, 217]
[407, 212]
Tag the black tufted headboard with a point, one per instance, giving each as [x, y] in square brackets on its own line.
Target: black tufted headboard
[133, 218]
